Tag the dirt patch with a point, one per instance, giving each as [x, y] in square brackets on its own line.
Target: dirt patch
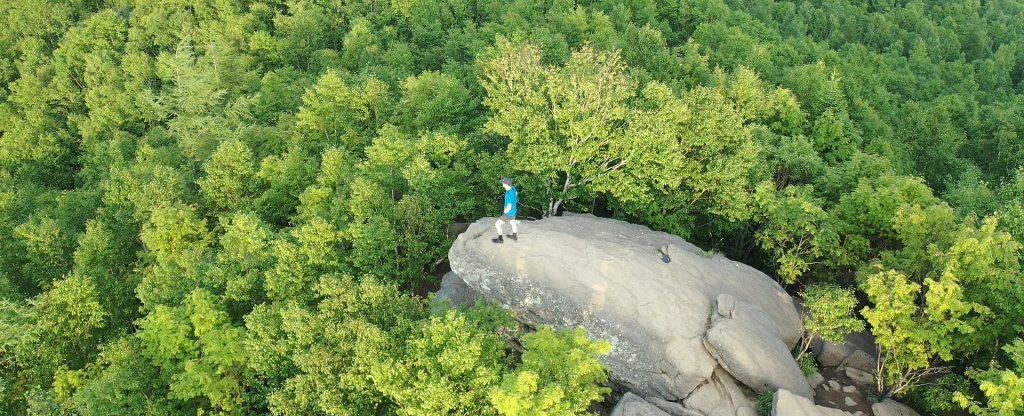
[828, 395]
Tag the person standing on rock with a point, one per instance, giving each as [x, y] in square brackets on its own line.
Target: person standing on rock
[509, 212]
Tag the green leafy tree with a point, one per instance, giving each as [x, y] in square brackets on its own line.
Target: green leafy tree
[230, 177]
[286, 177]
[574, 126]
[106, 255]
[68, 318]
[178, 242]
[57, 329]
[120, 381]
[1003, 387]
[326, 354]
[334, 114]
[200, 349]
[912, 339]
[446, 366]
[301, 257]
[829, 315]
[434, 101]
[795, 229]
[560, 374]
[242, 262]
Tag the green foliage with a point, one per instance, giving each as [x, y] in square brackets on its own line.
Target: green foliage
[200, 349]
[763, 406]
[574, 126]
[829, 316]
[434, 101]
[320, 360]
[807, 364]
[67, 319]
[1003, 388]
[120, 381]
[445, 367]
[560, 374]
[796, 229]
[939, 395]
[230, 177]
[334, 114]
[202, 172]
[911, 337]
[830, 312]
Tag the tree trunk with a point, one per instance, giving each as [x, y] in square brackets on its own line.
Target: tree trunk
[553, 206]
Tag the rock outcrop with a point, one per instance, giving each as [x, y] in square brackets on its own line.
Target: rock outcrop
[456, 291]
[701, 329]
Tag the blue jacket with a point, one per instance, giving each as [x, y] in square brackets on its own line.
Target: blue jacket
[511, 201]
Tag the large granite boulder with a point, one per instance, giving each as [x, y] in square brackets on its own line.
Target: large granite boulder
[611, 278]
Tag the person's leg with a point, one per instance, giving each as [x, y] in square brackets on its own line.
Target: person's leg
[497, 226]
[515, 228]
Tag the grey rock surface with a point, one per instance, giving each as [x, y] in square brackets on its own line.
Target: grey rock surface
[862, 378]
[753, 353]
[607, 276]
[746, 411]
[672, 408]
[815, 380]
[861, 361]
[720, 395]
[633, 405]
[786, 403]
[889, 407]
[832, 355]
[456, 291]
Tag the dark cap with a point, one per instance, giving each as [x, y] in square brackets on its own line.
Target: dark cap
[506, 181]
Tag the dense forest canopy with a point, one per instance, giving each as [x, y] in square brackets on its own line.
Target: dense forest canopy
[227, 206]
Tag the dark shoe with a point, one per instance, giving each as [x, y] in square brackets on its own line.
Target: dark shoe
[498, 240]
[512, 236]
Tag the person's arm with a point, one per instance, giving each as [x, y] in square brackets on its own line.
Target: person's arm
[508, 207]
